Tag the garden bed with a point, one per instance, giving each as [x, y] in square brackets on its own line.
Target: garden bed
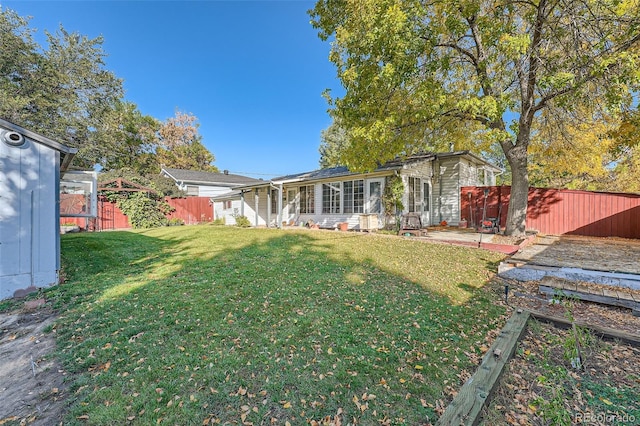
[541, 386]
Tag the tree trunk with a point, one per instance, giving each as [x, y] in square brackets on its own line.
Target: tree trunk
[517, 213]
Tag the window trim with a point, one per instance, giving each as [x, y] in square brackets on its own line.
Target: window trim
[353, 206]
[307, 199]
[332, 191]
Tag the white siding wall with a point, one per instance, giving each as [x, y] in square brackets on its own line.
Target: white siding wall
[29, 232]
[212, 191]
[261, 207]
[447, 191]
[221, 211]
[468, 174]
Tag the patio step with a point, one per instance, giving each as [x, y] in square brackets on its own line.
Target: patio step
[531, 272]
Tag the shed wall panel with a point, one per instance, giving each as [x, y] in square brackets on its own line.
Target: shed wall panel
[29, 249]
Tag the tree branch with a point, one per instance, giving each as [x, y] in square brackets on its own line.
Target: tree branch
[592, 76]
[457, 48]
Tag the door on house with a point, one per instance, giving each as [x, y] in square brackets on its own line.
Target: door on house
[420, 199]
[290, 216]
[426, 203]
[374, 197]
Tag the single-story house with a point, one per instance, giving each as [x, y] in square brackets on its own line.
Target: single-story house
[30, 169]
[327, 197]
[208, 184]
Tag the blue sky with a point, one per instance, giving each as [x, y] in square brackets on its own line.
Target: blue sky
[252, 72]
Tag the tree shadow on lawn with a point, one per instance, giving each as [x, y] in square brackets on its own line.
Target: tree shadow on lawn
[240, 325]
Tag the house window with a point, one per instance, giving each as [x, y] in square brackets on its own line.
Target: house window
[425, 196]
[291, 199]
[307, 199]
[331, 197]
[489, 178]
[375, 196]
[353, 196]
[226, 205]
[192, 190]
[481, 177]
[414, 194]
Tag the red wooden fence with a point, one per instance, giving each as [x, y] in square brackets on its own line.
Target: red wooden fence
[560, 211]
[191, 210]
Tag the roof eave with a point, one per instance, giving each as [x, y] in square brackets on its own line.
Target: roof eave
[66, 160]
[39, 138]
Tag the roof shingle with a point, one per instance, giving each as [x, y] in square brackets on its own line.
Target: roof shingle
[198, 177]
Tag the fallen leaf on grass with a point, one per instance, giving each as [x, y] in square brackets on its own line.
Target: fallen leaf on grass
[285, 404]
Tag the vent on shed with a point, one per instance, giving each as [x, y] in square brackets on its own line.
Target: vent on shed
[13, 138]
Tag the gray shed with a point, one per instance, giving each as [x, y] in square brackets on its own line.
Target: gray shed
[30, 169]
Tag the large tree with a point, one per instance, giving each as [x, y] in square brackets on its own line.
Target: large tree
[126, 139]
[417, 69]
[333, 142]
[625, 175]
[574, 155]
[180, 144]
[62, 90]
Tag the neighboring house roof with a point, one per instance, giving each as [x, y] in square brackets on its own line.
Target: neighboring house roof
[66, 153]
[207, 178]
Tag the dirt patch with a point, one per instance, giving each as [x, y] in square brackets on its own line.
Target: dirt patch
[525, 295]
[541, 386]
[32, 388]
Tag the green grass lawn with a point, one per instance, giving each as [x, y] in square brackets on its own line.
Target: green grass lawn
[190, 325]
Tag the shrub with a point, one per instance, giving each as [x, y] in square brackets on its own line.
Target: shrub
[219, 221]
[176, 221]
[143, 211]
[242, 221]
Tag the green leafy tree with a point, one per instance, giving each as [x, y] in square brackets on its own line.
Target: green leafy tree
[574, 155]
[19, 66]
[62, 90]
[126, 139]
[179, 145]
[415, 72]
[333, 143]
[625, 174]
